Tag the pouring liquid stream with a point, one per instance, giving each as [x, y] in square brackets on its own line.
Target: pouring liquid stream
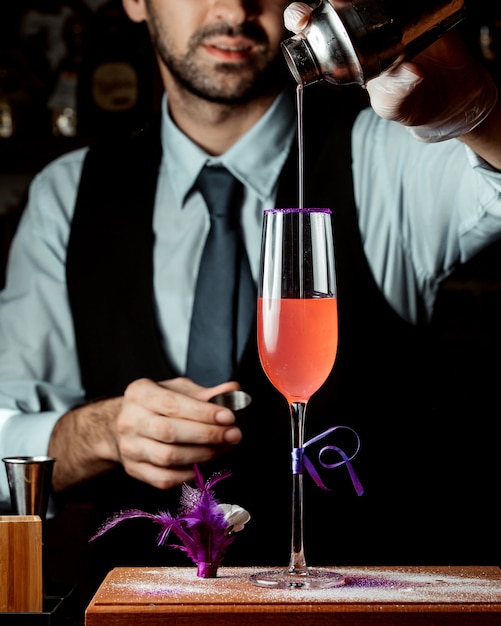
[300, 145]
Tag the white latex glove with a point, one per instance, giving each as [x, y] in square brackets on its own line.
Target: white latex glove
[297, 16]
[443, 93]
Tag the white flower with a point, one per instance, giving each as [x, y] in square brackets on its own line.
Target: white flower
[236, 517]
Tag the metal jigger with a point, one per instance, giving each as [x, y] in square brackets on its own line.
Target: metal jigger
[233, 400]
[29, 483]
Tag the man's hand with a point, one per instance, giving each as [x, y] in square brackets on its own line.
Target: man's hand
[163, 429]
[157, 431]
[441, 94]
[297, 16]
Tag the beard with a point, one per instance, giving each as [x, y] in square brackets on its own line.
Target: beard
[223, 83]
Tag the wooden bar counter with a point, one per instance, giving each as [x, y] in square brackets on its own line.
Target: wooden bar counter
[372, 596]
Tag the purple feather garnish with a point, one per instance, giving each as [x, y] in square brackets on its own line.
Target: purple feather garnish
[204, 527]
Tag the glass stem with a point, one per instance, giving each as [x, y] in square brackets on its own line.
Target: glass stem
[297, 563]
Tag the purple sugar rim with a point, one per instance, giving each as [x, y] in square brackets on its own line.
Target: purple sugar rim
[297, 210]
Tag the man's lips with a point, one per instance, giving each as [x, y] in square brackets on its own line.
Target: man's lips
[230, 49]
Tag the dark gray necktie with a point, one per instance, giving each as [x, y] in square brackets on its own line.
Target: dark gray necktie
[224, 302]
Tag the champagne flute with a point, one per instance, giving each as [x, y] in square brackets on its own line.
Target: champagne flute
[297, 341]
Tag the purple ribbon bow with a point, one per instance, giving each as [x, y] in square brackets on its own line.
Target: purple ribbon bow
[300, 460]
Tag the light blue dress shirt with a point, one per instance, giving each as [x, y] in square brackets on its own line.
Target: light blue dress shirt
[423, 208]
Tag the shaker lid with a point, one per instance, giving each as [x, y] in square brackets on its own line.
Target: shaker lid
[301, 60]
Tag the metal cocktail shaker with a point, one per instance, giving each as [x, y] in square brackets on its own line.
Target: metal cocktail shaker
[358, 41]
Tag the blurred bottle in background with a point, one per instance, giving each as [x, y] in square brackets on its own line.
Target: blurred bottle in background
[490, 45]
[6, 113]
[482, 29]
[95, 70]
[118, 80]
[63, 101]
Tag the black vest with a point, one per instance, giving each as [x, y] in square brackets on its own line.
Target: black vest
[381, 384]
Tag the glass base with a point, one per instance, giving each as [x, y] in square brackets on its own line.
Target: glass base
[308, 579]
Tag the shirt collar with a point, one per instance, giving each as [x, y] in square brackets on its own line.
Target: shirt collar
[256, 159]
